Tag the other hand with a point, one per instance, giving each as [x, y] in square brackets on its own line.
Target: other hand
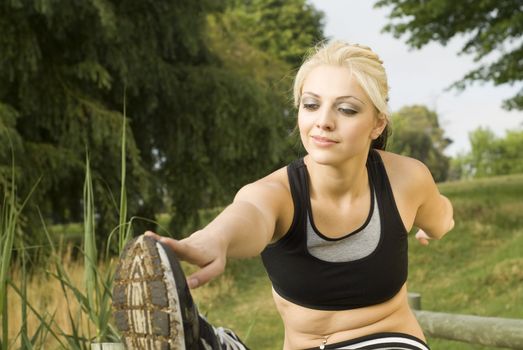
[422, 237]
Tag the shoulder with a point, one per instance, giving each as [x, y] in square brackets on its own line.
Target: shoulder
[404, 167]
[406, 174]
[273, 188]
[397, 163]
[272, 196]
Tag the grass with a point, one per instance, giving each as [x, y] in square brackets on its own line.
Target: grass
[8, 221]
[247, 307]
[46, 295]
[478, 268]
[85, 306]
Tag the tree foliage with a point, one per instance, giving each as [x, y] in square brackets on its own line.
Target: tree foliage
[490, 155]
[281, 28]
[417, 134]
[493, 31]
[201, 121]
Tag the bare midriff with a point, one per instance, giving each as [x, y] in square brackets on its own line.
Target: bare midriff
[308, 328]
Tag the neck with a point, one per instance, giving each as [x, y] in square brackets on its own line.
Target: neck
[338, 181]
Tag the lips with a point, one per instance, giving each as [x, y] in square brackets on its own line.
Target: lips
[321, 140]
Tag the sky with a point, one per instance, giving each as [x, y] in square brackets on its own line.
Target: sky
[422, 76]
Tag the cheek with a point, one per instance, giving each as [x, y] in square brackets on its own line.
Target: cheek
[302, 124]
[356, 131]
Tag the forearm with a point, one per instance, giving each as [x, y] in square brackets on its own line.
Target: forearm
[240, 229]
[446, 219]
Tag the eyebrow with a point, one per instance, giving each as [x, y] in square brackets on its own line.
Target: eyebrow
[337, 98]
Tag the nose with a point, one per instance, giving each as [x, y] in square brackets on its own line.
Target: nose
[325, 119]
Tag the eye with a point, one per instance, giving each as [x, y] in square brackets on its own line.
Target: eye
[347, 111]
[310, 106]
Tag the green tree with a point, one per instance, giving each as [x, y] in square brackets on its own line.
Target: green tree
[417, 134]
[483, 150]
[491, 155]
[234, 37]
[510, 158]
[255, 117]
[282, 28]
[492, 28]
[11, 141]
[65, 94]
[200, 124]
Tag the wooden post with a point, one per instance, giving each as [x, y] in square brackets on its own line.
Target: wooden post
[415, 301]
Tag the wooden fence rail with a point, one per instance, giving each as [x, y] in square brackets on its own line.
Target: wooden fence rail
[488, 331]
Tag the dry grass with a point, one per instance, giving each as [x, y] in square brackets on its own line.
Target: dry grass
[45, 294]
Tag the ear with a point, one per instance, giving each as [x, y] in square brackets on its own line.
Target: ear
[379, 125]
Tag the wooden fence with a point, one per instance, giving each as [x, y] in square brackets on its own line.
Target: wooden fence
[487, 331]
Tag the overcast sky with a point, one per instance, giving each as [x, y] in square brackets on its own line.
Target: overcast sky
[421, 76]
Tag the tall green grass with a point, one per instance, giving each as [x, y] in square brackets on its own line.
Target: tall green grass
[92, 321]
[95, 299]
[124, 229]
[10, 216]
[8, 224]
[95, 296]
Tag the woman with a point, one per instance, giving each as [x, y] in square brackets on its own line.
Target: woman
[331, 228]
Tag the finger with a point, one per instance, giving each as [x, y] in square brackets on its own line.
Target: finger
[422, 234]
[186, 252]
[423, 241]
[171, 243]
[183, 251]
[153, 235]
[205, 274]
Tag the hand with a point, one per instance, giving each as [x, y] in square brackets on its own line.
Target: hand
[199, 250]
[422, 237]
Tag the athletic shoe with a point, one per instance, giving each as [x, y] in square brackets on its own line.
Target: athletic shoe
[218, 337]
[228, 339]
[152, 305]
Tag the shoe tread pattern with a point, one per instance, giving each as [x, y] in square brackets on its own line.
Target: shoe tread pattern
[140, 300]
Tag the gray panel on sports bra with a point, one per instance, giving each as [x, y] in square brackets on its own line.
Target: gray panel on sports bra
[353, 247]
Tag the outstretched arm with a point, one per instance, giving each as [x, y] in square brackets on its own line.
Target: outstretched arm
[243, 229]
[435, 215]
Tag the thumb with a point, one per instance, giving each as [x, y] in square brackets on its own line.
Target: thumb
[206, 273]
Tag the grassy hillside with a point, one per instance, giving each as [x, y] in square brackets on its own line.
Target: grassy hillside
[476, 269]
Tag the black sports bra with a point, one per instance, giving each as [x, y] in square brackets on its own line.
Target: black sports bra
[307, 280]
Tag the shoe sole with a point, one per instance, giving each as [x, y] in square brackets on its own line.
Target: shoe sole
[146, 305]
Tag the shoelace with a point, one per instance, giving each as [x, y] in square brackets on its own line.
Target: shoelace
[228, 339]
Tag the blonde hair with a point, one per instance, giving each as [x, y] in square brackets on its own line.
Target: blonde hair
[364, 65]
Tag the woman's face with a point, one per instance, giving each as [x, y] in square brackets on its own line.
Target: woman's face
[337, 120]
